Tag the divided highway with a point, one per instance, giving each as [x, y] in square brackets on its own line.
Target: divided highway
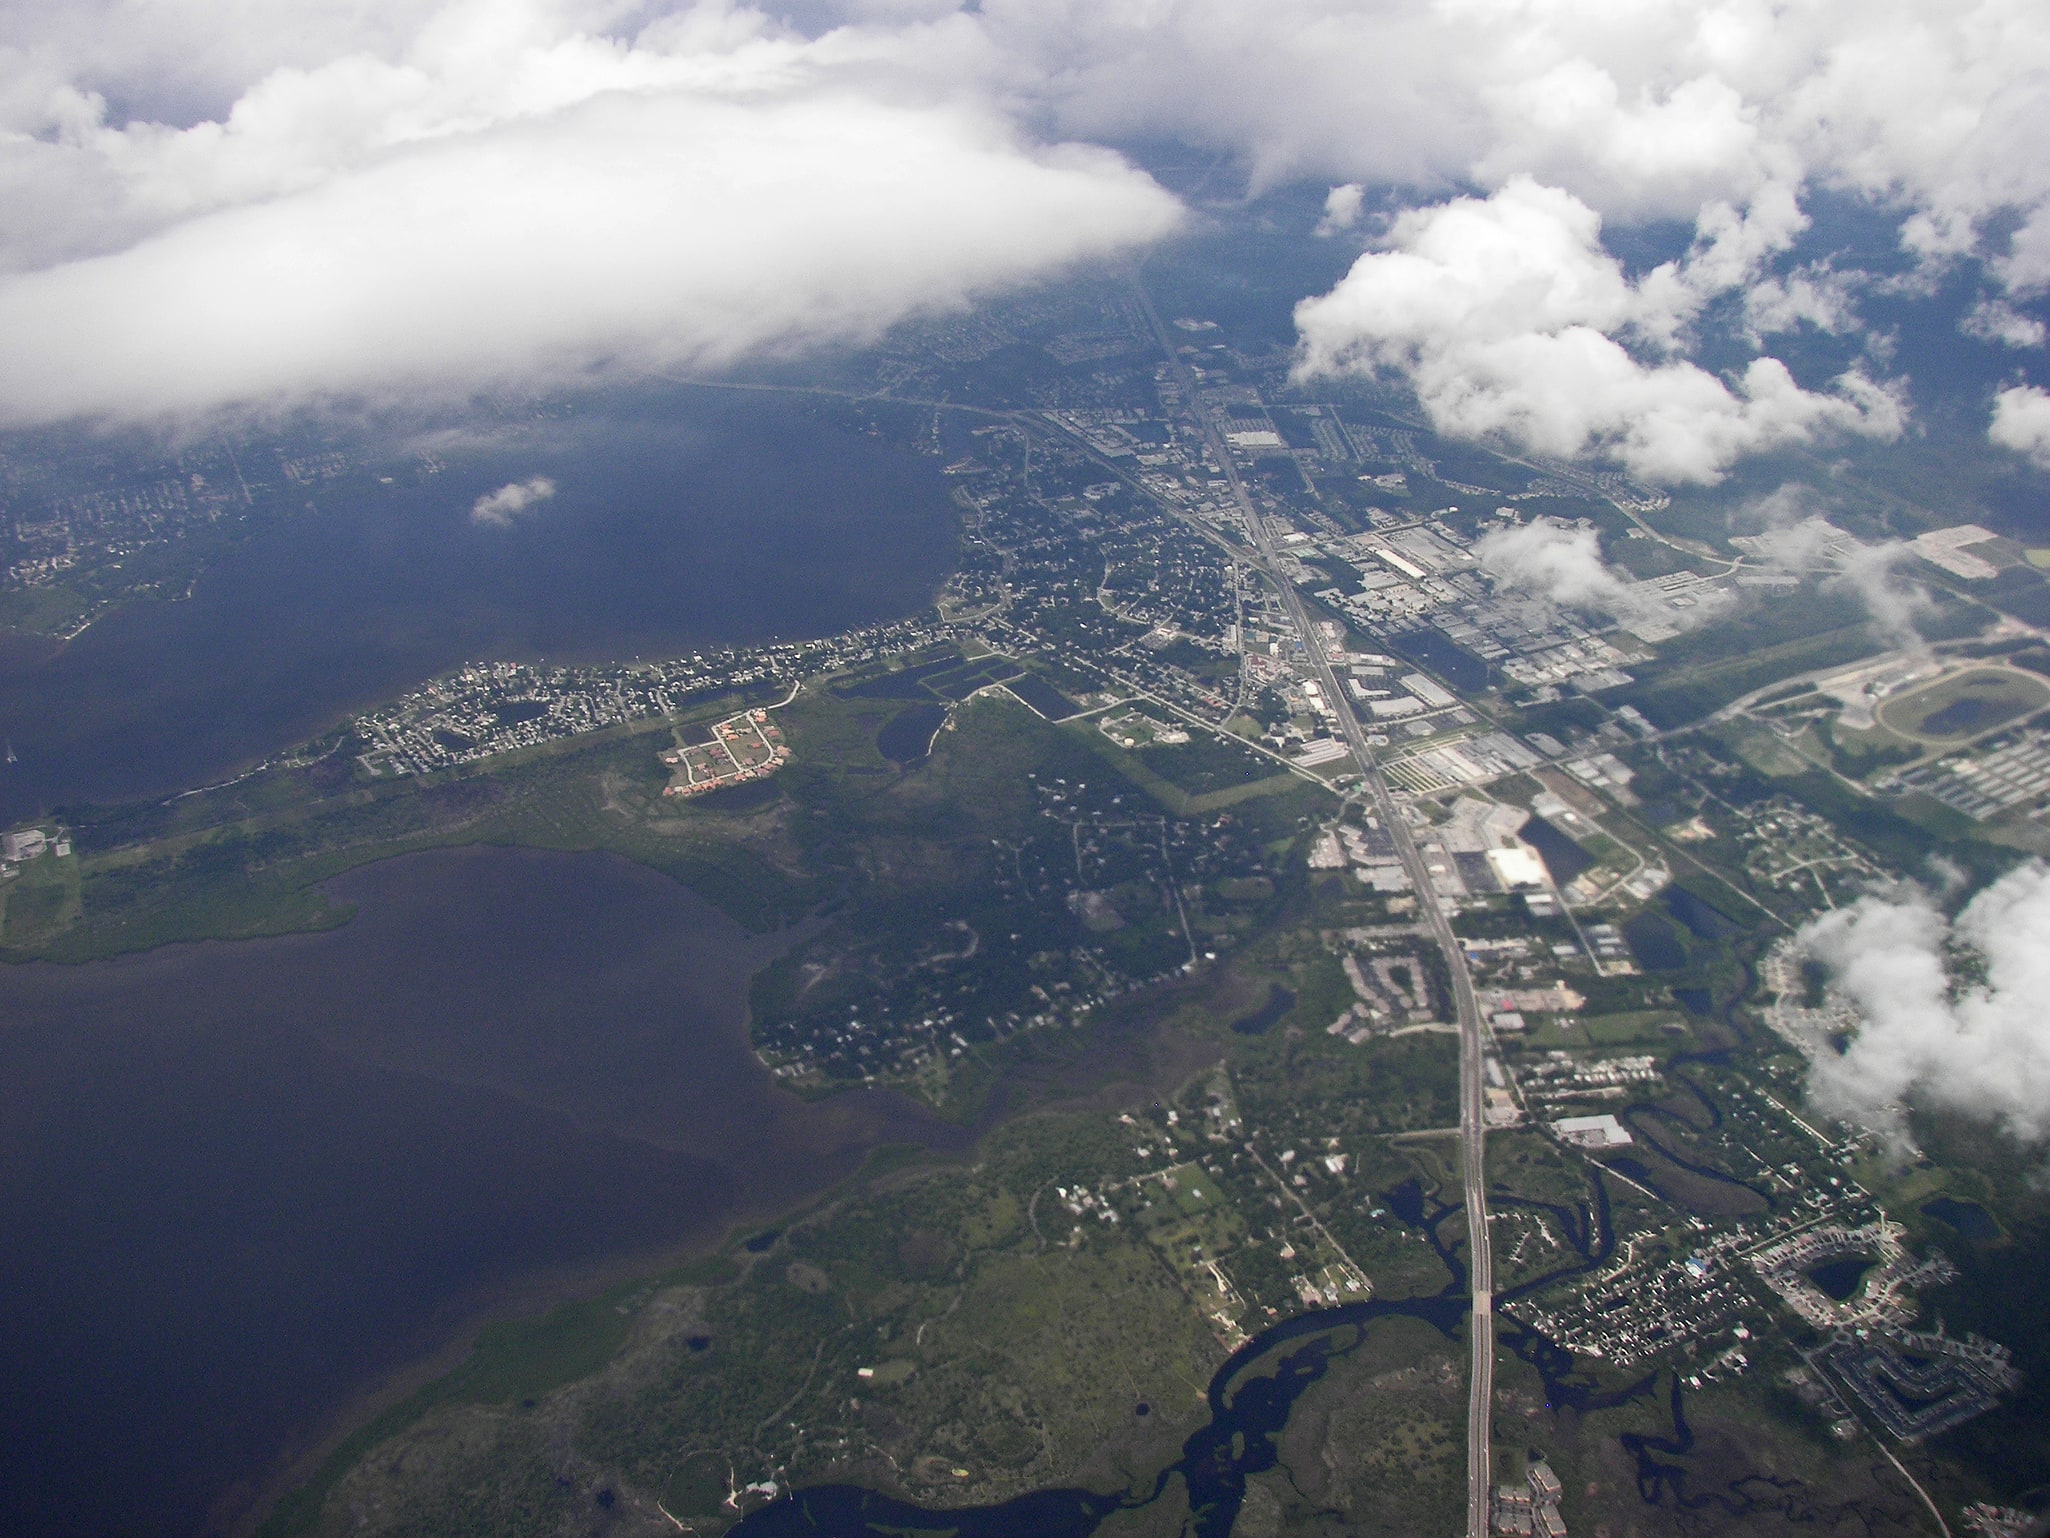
[1472, 1124]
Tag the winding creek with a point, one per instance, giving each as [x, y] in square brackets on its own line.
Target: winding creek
[1254, 1392]
[1251, 1397]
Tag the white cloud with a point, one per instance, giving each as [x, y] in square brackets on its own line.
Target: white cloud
[635, 229]
[1562, 563]
[1654, 108]
[2021, 421]
[1554, 560]
[497, 509]
[1931, 1034]
[1812, 295]
[174, 132]
[1869, 572]
[1995, 320]
[1341, 209]
[1647, 109]
[1794, 537]
[1509, 320]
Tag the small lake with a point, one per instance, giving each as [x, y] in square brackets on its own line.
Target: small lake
[1970, 1219]
[1703, 920]
[1840, 1278]
[907, 736]
[682, 518]
[1563, 858]
[1280, 1001]
[1654, 943]
[242, 1182]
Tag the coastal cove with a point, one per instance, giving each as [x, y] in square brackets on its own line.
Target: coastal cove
[681, 518]
[246, 1182]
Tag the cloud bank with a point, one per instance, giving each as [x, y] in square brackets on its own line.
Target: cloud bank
[1935, 1033]
[1652, 109]
[497, 509]
[628, 231]
[208, 203]
[1510, 321]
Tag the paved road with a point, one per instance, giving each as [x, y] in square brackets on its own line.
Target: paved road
[1472, 1127]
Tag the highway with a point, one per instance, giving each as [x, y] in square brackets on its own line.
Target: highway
[1472, 1125]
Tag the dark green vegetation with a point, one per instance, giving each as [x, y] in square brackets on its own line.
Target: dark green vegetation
[1379, 1446]
[510, 1362]
[952, 1336]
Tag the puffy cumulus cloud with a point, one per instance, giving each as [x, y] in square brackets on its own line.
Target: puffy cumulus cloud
[1562, 563]
[2021, 421]
[1871, 572]
[187, 60]
[1952, 1013]
[1725, 114]
[1554, 560]
[1630, 106]
[1341, 209]
[497, 509]
[1995, 320]
[634, 228]
[1510, 320]
[1811, 295]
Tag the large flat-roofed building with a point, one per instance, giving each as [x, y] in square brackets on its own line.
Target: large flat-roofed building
[1517, 867]
[1591, 1132]
[25, 845]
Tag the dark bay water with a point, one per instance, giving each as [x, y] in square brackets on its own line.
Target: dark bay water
[692, 518]
[239, 1183]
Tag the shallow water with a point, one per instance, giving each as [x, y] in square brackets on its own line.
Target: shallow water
[239, 1182]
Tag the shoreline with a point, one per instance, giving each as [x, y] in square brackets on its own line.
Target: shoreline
[832, 1148]
[538, 1296]
[531, 1298]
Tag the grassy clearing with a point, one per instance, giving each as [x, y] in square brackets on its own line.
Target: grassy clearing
[1691, 692]
[1190, 779]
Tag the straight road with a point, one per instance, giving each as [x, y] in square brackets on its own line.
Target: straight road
[1472, 1126]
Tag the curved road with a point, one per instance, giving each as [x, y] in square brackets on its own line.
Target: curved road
[1472, 1125]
